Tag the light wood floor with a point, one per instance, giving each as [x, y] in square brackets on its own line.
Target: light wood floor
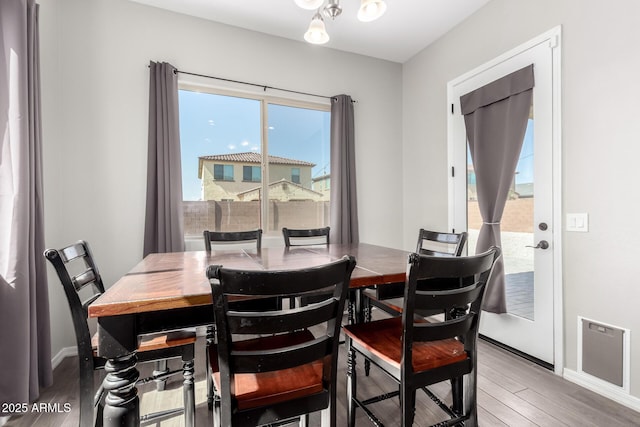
[511, 392]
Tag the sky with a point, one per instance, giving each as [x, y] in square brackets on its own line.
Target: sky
[524, 168]
[215, 124]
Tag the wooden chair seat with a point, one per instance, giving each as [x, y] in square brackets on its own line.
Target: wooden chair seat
[267, 388]
[382, 338]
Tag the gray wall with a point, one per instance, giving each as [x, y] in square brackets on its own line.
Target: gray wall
[600, 150]
[95, 110]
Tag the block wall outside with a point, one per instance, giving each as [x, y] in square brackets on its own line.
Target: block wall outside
[517, 216]
[236, 216]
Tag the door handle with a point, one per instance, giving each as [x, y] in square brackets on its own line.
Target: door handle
[542, 244]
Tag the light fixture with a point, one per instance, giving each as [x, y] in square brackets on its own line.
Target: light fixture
[370, 10]
[332, 9]
[316, 34]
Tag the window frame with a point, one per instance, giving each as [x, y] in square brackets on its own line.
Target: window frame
[295, 178]
[200, 84]
[252, 174]
[225, 167]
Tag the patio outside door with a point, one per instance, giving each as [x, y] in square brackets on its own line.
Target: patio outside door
[529, 222]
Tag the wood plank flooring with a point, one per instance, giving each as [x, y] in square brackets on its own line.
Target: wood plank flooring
[511, 392]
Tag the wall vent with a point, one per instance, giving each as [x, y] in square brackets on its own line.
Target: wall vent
[603, 351]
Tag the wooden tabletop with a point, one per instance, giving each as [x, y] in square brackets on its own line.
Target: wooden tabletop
[177, 280]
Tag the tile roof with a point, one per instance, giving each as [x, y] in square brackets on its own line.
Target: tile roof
[252, 157]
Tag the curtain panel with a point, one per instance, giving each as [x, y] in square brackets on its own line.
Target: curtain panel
[164, 224]
[25, 358]
[344, 207]
[495, 118]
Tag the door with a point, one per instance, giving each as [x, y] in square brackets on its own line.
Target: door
[529, 222]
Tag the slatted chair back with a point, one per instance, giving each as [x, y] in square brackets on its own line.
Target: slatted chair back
[306, 237]
[227, 237]
[78, 258]
[473, 271]
[436, 243]
[294, 342]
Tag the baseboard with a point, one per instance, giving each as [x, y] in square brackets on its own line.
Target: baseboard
[64, 352]
[603, 388]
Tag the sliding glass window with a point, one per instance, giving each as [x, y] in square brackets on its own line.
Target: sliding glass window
[229, 185]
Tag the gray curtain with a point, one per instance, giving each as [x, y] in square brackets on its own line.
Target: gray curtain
[163, 231]
[495, 118]
[344, 208]
[25, 357]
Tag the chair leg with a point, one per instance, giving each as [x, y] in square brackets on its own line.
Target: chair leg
[188, 392]
[408, 403]
[86, 392]
[366, 303]
[351, 384]
[210, 339]
[471, 399]
[162, 367]
[457, 396]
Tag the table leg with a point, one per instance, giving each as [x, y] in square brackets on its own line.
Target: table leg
[122, 406]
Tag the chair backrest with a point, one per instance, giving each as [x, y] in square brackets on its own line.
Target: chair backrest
[473, 271]
[82, 285]
[305, 334]
[436, 243]
[305, 237]
[226, 237]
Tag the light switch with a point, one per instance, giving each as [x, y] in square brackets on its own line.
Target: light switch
[578, 222]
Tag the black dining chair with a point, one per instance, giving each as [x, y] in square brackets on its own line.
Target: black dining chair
[222, 240]
[388, 298]
[416, 352]
[306, 237]
[82, 283]
[273, 366]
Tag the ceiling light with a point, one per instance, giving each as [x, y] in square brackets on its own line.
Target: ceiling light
[309, 4]
[316, 34]
[370, 10]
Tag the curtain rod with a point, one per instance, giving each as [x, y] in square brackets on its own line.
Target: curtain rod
[264, 87]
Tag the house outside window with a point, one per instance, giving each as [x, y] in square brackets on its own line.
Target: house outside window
[251, 173]
[224, 135]
[223, 172]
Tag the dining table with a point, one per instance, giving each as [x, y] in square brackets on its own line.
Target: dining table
[169, 291]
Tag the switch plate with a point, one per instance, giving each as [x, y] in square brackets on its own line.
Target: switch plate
[577, 222]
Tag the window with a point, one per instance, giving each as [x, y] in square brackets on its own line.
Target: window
[223, 172]
[251, 173]
[295, 175]
[223, 136]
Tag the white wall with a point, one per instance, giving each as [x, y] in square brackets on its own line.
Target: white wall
[600, 143]
[95, 111]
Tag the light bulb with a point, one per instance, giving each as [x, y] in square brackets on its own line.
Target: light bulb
[316, 34]
[370, 10]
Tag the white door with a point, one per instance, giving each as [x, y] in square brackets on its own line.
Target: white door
[529, 222]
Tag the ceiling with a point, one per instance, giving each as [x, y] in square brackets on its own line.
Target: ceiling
[407, 27]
